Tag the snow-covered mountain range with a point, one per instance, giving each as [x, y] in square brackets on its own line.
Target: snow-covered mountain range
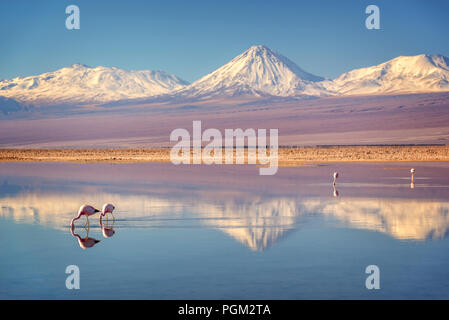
[261, 71]
[258, 71]
[81, 84]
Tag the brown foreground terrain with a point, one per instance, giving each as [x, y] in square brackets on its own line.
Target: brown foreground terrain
[287, 156]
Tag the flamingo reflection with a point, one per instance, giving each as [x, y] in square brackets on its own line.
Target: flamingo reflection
[85, 242]
[108, 231]
[336, 193]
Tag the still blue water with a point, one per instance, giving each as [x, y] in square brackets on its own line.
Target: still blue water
[223, 232]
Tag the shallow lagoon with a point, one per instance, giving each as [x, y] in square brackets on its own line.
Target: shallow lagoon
[224, 232]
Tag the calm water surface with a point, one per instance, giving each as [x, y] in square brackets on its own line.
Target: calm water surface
[224, 232]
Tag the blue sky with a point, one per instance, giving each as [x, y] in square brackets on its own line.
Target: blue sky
[192, 38]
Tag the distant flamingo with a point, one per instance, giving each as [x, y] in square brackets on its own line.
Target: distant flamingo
[85, 210]
[412, 183]
[107, 208]
[335, 178]
[86, 242]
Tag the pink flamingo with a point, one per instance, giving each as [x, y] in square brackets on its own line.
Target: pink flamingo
[335, 178]
[85, 210]
[107, 208]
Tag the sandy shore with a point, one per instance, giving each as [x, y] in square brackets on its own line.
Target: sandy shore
[287, 156]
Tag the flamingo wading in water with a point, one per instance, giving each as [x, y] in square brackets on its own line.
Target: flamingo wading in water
[107, 208]
[335, 178]
[85, 210]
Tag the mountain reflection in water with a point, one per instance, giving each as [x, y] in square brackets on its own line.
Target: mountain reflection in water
[258, 222]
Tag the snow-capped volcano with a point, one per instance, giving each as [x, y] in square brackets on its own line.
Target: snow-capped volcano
[404, 74]
[257, 71]
[82, 84]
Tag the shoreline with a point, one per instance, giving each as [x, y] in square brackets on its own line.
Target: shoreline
[287, 156]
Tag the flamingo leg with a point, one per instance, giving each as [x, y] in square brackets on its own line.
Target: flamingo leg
[107, 218]
[87, 231]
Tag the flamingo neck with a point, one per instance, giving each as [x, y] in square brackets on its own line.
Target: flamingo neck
[74, 219]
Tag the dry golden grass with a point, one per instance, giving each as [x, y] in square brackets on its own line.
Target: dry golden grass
[287, 156]
[86, 155]
[365, 153]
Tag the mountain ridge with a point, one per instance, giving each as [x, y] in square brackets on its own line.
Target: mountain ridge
[257, 72]
[403, 74]
[82, 84]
